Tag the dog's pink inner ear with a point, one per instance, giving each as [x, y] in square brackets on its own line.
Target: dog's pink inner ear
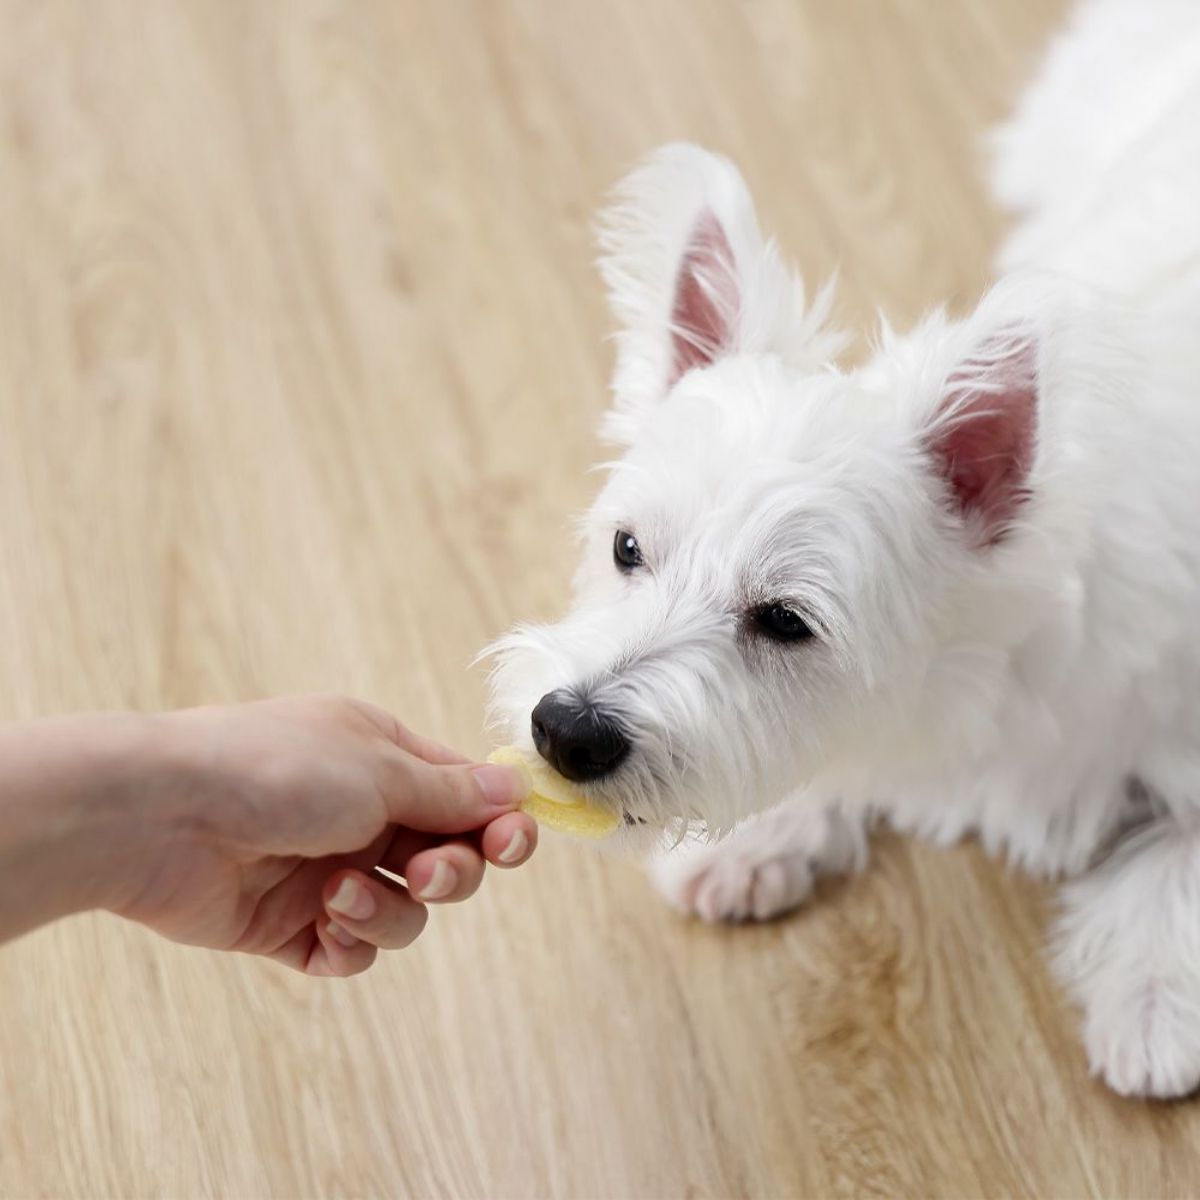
[983, 441]
[706, 299]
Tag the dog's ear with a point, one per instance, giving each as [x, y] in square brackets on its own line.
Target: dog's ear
[983, 435]
[706, 300]
[691, 279]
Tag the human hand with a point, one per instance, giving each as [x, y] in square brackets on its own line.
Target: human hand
[267, 827]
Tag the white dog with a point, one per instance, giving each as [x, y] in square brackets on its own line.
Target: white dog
[958, 587]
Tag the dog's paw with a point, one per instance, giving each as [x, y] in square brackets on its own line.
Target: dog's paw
[764, 868]
[728, 882]
[1127, 950]
[1146, 1044]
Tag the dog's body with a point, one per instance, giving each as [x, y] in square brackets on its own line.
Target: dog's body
[959, 586]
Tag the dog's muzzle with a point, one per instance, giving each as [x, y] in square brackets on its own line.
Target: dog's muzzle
[576, 738]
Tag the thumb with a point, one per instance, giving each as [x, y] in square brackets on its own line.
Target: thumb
[450, 798]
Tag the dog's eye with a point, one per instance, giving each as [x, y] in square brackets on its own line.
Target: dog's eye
[627, 554]
[781, 622]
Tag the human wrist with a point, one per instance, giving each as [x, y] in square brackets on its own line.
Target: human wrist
[77, 817]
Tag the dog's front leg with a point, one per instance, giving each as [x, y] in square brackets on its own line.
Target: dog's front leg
[765, 867]
[1129, 949]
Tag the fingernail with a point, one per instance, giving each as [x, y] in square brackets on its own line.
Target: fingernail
[502, 786]
[341, 936]
[441, 882]
[516, 848]
[353, 900]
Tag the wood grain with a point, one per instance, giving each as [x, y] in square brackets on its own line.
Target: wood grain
[301, 352]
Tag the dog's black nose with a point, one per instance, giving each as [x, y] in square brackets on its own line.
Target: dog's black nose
[576, 739]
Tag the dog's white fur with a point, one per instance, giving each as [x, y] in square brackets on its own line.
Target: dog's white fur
[1031, 675]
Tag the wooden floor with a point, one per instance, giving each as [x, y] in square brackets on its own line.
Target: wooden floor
[301, 353]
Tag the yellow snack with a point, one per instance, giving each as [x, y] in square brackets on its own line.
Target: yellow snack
[553, 802]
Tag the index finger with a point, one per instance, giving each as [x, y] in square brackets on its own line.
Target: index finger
[449, 798]
[407, 739]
